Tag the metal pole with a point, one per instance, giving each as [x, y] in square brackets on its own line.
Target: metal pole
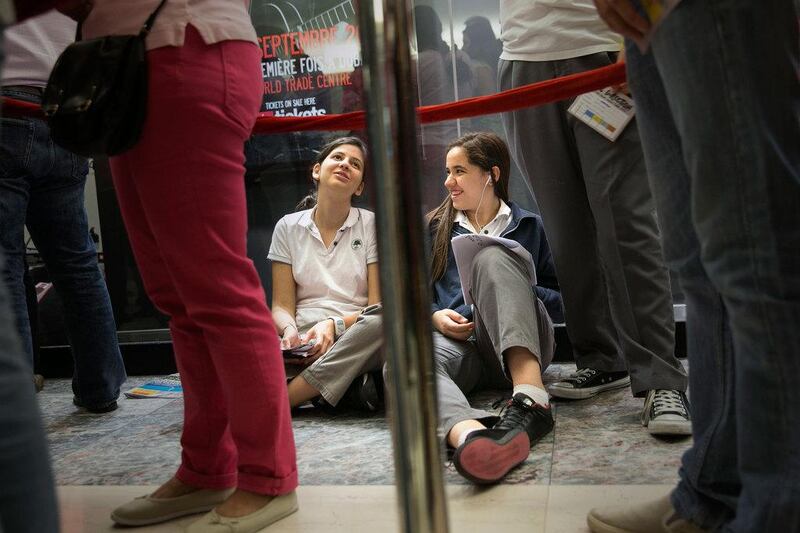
[391, 123]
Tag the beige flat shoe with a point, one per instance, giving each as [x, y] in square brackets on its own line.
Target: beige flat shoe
[656, 516]
[146, 510]
[279, 507]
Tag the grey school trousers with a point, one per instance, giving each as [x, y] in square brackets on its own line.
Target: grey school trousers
[355, 353]
[600, 219]
[506, 313]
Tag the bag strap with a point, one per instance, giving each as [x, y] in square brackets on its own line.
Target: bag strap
[148, 24]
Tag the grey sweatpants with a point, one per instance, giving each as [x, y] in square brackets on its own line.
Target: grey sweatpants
[506, 313]
[600, 219]
[356, 352]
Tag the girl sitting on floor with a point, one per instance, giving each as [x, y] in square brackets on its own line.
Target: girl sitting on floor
[324, 275]
[505, 338]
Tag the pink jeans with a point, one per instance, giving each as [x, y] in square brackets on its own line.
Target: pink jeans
[181, 192]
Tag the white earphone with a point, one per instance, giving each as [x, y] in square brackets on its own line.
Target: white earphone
[477, 210]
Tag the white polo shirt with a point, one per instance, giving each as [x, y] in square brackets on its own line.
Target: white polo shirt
[332, 280]
[495, 228]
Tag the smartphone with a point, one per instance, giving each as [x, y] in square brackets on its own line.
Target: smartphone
[299, 351]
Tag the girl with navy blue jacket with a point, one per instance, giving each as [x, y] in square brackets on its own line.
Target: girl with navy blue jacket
[505, 338]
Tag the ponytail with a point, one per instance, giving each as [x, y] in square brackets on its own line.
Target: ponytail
[308, 202]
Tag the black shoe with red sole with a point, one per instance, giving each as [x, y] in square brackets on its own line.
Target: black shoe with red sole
[488, 455]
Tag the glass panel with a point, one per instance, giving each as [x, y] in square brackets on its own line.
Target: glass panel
[457, 49]
[311, 65]
[459, 40]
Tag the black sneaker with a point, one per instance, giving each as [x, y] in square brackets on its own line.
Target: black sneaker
[489, 454]
[666, 412]
[588, 382]
[96, 409]
[365, 393]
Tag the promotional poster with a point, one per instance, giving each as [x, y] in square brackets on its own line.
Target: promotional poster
[310, 56]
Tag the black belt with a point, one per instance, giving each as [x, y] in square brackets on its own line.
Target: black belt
[25, 89]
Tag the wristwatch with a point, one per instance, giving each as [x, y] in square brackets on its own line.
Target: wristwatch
[339, 327]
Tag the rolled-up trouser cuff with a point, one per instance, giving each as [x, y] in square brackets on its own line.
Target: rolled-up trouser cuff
[271, 486]
[332, 396]
[206, 481]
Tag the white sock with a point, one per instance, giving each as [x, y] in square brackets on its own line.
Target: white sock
[463, 437]
[536, 394]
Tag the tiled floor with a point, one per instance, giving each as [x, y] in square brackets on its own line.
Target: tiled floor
[373, 509]
[597, 453]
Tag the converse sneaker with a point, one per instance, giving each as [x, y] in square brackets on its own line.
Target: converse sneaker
[588, 382]
[489, 454]
[666, 412]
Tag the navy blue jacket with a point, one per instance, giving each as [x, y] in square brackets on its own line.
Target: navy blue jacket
[526, 228]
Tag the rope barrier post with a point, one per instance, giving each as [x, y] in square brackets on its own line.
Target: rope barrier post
[391, 125]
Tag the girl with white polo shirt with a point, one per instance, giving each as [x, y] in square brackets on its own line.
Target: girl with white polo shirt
[324, 274]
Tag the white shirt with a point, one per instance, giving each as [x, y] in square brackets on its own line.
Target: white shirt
[215, 20]
[330, 280]
[32, 47]
[549, 30]
[494, 228]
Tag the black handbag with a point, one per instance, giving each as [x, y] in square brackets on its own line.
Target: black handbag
[96, 98]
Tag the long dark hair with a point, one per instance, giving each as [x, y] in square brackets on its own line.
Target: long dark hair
[483, 44]
[311, 200]
[484, 150]
[428, 28]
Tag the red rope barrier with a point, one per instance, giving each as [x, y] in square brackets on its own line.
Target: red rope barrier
[543, 92]
[527, 96]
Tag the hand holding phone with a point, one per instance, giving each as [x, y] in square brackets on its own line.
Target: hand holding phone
[299, 351]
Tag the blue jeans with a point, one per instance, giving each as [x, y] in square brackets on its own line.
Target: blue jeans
[41, 186]
[718, 105]
[27, 494]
